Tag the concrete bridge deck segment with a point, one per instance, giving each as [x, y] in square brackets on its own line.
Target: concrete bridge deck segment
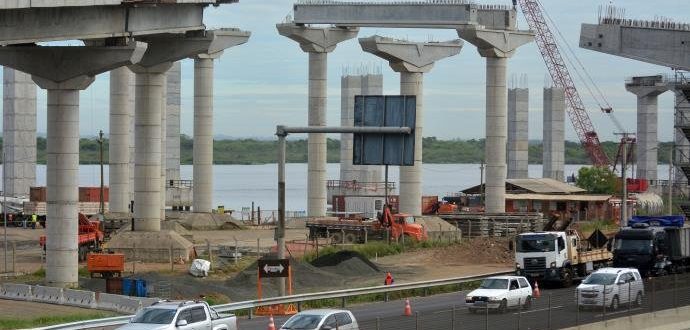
[53, 20]
[447, 14]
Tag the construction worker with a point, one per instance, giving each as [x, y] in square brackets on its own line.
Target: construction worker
[389, 279]
[34, 219]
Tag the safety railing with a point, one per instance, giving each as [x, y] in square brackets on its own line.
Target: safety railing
[294, 299]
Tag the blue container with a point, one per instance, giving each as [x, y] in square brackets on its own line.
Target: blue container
[141, 288]
[128, 286]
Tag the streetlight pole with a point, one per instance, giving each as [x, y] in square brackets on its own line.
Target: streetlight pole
[624, 201]
[670, 181]
[4, 204]
[100, 142]
[481, 183]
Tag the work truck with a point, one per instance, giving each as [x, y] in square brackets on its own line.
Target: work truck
[559, 256]
[656, 246]
[399, 226]
[183, 315]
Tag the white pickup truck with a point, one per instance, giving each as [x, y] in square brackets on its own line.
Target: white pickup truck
[180, 315]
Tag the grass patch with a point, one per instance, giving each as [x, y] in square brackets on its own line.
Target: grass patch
[7, 323]
[378, 248]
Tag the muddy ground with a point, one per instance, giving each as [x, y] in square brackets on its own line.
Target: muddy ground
[231, 282]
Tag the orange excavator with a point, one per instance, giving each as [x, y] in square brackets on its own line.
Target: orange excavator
[90, 236]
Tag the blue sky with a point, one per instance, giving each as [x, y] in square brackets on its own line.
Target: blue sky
[263, 83]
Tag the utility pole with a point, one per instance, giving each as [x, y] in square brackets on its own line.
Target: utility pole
[4, 203]
[670, 181]
[100, 142]
[624, 176]
[481, 183]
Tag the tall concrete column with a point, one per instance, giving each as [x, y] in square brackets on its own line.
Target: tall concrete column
[318, 42]
[350, 85]
[203, 134]
[411, 60]
[172, 132]
[647, 90]
[62, 177]
[19, 132]
[372, 84]
[121, 112]
[150, 82]
[553, 140]
[164, 123]
[518, 134]
[496, 46]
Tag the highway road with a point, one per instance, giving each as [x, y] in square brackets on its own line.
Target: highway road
[555, 309]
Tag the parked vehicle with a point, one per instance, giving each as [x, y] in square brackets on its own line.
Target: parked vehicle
[611, 287]
[397, 226]
[653, 245]
[322, 319]
[89, 239]
[180, 315]
[557, 256]
[500, 293]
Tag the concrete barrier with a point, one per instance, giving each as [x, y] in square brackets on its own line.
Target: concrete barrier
[118, 303]
[16, 291]
[47, 294]
[79, 298]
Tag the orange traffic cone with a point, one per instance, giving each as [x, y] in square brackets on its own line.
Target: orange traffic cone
[536, 293]
[408, 309]
[271, 325]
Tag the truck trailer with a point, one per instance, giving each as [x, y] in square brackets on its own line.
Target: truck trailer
[654, 245]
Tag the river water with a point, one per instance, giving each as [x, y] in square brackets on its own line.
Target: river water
[237, 186]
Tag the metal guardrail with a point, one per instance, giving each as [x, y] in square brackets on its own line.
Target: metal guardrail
[120, 320]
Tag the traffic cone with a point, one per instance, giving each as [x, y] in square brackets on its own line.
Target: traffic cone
[536, 293]
[408, 309]
[271, 325]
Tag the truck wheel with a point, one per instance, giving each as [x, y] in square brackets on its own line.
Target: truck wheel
[614, 303]
[350, 238]
[336, 238]
[567, 278]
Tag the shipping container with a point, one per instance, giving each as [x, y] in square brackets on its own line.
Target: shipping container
[92, 194]
[37, 194]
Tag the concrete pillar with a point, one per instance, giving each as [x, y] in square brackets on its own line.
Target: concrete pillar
[203, 134]
[372, 84]
[150, 82]
[350, 85]
[172, 132]
[164, 113]
[647, 90]
[518, 133]
[121, 113]
[19, 132]
[62, 177]
[411, 60]
[496, 46]
[554, 134]
[318, 42]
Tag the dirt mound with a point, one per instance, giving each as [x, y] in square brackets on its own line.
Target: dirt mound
[476, 251]
[434, 223]
[348, 263]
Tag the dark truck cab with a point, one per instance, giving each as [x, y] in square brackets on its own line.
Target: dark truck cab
[653, 245]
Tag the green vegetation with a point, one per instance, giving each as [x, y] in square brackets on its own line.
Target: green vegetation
[252, 151]
[375, 249]
[597, 180]
[17, 323]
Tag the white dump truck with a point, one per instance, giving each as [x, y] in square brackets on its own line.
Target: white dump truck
[557, 256]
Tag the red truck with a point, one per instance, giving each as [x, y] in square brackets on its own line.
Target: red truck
[90, 236]
[359, 231]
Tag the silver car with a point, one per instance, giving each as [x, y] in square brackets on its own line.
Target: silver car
[322, 319]
[611, 287]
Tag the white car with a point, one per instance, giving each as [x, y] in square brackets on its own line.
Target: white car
[180, 315]
[322, 319]
[611, 287]
[500, 293]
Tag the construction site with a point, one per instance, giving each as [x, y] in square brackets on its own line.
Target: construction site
[150, 233]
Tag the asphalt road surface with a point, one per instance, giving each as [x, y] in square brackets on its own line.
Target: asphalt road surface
[555, 309]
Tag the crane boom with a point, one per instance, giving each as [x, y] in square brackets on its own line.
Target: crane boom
[561, 78]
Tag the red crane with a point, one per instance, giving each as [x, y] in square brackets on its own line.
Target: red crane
[561, 78]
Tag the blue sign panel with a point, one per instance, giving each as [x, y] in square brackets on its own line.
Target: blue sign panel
[384, 111]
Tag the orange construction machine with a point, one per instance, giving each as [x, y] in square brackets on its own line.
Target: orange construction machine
[90, 236]
[105, 264]
[395, 226]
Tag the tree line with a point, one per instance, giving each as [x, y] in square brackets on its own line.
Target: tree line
[254, 151]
